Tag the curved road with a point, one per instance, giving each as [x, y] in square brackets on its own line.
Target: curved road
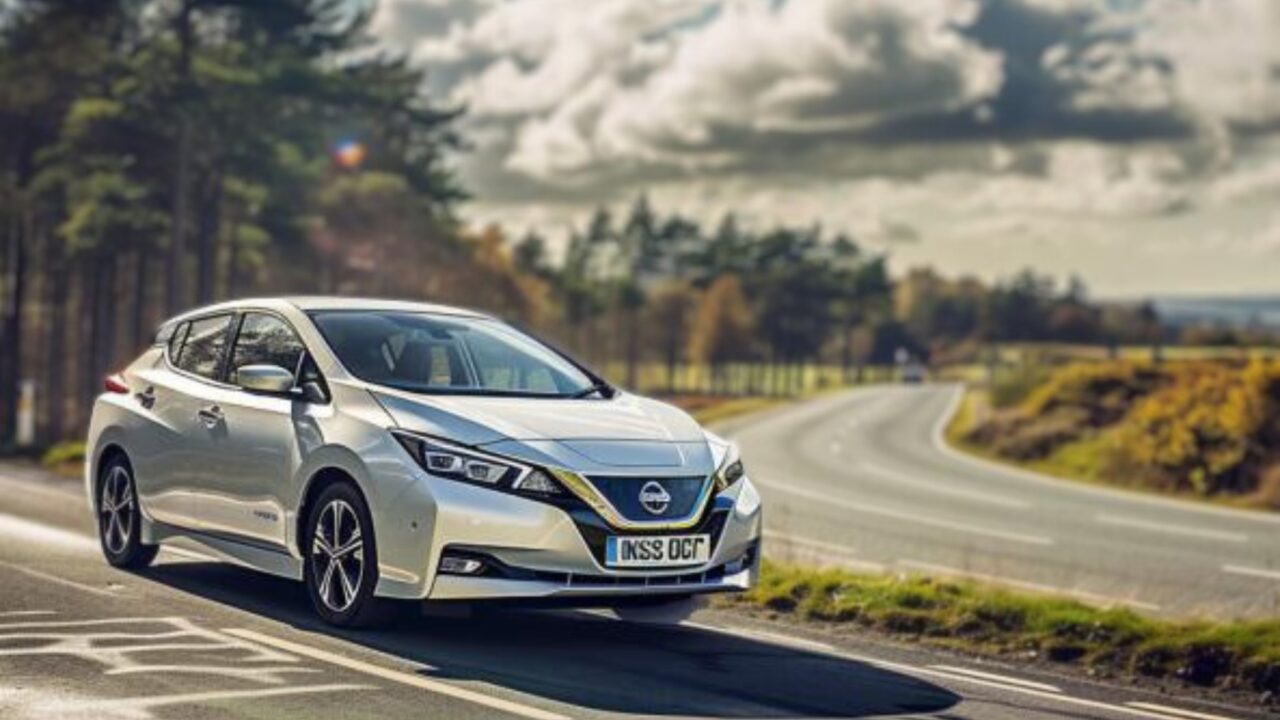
[863, 478]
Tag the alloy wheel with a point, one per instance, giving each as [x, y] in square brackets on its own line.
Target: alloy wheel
[337, 555]
[117, 510]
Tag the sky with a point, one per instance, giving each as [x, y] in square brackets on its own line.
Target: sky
[1135, 143]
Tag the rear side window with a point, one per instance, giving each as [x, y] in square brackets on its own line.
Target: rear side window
[265, 340]
[175, 340]
[165, 334]
[204, 346]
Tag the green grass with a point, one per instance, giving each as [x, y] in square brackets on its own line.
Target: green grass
[994, 621]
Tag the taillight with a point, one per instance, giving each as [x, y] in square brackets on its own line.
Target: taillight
[116, 384]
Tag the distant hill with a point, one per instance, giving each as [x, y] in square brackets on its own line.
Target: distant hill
[1235, 312]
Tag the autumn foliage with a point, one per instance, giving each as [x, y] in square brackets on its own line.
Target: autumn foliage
[1203, 427]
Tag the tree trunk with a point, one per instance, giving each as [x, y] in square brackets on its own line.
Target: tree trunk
[11, 329]
[633, 348]
[207, 239]
[138, 310]
[55, 384]
[178, 222]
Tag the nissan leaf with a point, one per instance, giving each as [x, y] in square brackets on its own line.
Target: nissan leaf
[383, 451]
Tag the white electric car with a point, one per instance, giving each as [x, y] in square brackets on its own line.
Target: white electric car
[382, 450]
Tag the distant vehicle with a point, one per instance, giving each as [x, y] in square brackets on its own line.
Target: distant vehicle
[381, 450]
[913, 373]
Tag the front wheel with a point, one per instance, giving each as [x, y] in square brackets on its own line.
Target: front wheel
[120, 518]
[341, 567]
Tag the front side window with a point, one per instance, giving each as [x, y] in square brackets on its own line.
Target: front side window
[428, 353]
[265, 340]
[204, 346]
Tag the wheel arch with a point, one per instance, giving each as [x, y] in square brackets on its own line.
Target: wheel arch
[316, 484]
[105, 453]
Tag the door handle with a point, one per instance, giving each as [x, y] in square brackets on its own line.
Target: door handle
[210, 416]
[147, 397]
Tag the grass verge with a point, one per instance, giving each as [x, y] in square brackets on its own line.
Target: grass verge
[1238, 656]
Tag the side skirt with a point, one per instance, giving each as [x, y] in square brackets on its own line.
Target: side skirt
[270, 560]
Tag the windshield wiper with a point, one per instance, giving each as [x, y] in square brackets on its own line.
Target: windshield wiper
[604, 389]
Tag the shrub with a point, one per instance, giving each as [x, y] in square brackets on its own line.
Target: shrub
[1103, 391]
[64, 453]
[1204, 432]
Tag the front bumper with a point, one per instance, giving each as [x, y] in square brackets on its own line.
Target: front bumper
[536, 550]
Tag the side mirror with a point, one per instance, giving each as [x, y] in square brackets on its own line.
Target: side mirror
[265, 379]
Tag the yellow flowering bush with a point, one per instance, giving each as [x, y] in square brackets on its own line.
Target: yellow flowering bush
[1207, 431]
[1104, 391]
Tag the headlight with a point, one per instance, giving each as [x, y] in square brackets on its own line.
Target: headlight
[729, 468]
[444, 459]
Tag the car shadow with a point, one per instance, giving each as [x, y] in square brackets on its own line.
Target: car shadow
[592, 662]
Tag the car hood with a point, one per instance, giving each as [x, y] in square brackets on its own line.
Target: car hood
[582, 423]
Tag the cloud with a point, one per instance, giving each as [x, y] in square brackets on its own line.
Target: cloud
[910, 124]
[757, 76]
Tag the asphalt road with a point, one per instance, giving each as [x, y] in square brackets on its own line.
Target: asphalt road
[196, 639]
[863, 478]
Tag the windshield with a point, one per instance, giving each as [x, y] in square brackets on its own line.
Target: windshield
[427, 353]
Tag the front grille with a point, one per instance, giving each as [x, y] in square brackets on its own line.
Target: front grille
[595, 531]
[624, 493]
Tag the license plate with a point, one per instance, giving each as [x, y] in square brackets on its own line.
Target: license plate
[663, 551]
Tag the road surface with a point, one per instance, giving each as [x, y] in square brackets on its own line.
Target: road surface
[190, 638]
[864, 478]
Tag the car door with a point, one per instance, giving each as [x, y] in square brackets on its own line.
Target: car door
[176, 391]
[247, 491]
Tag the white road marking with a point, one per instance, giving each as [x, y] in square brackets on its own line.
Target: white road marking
[845, 554]
[941, 489]
[828, 499]
[101, 707]
[1169, 529]
[998, 678]
[404, 678]
[44, 534]
[1176, 712]
[1094, 598]
[1252, 572]
[93, 590]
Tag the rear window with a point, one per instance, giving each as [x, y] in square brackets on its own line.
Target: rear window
[204, 346]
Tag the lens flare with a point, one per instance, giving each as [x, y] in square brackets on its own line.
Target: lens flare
[349, 154]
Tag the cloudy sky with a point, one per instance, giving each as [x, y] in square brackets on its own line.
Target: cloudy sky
[1135, 142]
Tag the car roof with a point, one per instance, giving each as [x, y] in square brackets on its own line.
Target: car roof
[308, 303]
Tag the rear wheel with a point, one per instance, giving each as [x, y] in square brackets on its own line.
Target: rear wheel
[120, 518]
[341, 566]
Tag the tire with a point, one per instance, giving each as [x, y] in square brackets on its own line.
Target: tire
[120, 518]
[341, 576]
